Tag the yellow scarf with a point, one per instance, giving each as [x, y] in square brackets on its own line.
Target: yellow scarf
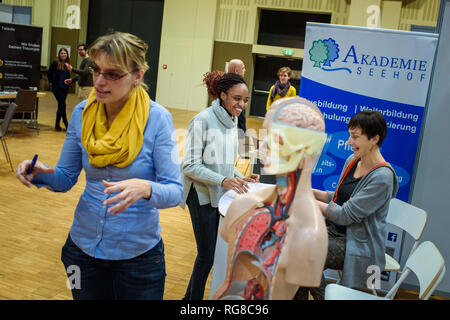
[121, 143]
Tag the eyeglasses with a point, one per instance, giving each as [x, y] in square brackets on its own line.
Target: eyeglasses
[108, 76]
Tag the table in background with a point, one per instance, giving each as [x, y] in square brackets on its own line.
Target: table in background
[10, 96]
[6, 95]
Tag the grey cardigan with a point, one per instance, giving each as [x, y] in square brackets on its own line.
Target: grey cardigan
[209, 154]
[364, 215]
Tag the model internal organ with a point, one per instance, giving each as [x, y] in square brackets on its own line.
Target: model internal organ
[277, 239]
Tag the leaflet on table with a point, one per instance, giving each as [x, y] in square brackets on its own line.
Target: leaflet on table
[252, 186]
[228, 197]
[8, 92]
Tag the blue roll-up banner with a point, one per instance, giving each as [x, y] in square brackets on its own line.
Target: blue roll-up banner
[348, 69]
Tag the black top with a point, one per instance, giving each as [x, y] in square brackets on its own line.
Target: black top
[57, 76]
[345, 191]
[347, 186]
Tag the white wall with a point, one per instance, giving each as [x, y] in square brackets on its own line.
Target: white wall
[187, 41]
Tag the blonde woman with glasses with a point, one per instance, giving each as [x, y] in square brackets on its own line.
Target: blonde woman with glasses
[124, 142]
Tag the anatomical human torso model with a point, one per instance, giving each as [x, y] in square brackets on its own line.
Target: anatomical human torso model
[277, 238]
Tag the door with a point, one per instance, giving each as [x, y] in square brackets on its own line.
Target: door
[142, 18]
[265, 75]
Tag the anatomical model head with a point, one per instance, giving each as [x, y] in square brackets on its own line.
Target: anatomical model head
[295, 130]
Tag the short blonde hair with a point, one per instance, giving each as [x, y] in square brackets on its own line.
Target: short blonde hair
[283, 70]
[123, 48]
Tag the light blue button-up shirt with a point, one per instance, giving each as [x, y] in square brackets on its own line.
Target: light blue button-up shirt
[136, 230]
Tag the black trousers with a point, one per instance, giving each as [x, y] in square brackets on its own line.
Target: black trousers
[335, 260]
[61, 95]
[242, 125]
[205, 222]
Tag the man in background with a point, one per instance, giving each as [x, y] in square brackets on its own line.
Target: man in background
[237, 66]
[84, 77]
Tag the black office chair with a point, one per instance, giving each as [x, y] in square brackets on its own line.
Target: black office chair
[4, 128]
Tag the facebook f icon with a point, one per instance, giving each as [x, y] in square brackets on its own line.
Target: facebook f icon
[392, 237]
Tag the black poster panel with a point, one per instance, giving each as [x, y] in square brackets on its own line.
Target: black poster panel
[20, 56]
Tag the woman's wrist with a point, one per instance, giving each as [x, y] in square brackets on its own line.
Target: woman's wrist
[148, 193]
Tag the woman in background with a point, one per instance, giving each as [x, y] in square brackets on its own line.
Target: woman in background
[57, 73]
[282, 88]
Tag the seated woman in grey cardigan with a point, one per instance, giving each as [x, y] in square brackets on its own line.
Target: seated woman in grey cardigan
[356, 211]
[208, 168]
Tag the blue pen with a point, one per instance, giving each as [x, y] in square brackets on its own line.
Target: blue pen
[33, 162]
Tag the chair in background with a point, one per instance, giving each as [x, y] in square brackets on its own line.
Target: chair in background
[408, 218]
[426, 262]
[26, 101]
[4, 128]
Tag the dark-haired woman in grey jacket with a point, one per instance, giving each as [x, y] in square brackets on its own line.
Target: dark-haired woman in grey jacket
[356, 211]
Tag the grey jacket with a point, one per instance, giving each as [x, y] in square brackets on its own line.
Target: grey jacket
[209, 154]
[364, 215]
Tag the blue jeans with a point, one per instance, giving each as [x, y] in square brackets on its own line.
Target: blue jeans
[205, 222]
[139, 278]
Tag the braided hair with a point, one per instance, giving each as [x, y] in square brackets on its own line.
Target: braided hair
[218, 81]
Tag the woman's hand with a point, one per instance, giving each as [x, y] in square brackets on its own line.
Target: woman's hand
[252, 178]
[130, 191]
[323, 206]
[237, 184]
[25, 178]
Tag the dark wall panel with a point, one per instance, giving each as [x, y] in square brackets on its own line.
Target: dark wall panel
[140, 17]
[146, 23]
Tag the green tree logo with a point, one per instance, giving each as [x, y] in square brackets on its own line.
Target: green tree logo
[323, 52]
[318, 53]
